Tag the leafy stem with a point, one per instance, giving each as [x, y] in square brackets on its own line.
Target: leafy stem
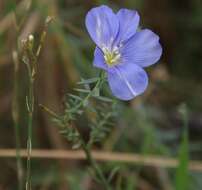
[30, 61]
[97, 86]
[72, 133]
[30, 57]
[15, 115]
[95, 166]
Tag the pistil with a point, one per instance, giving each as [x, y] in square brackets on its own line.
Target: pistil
[111, 57]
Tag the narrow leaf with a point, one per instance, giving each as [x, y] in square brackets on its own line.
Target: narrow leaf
[113, 173]
[182, 173]
[102, 98]
[82, 90]
[88, 81]
[75, 97]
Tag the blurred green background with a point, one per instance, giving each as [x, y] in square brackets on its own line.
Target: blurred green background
[149, 124]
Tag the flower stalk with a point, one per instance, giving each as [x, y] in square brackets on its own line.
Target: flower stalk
[30, 57]
[15, 115]
[97, 86]
[86, 147]
[30, 61]
[30, 108]
[95, 166]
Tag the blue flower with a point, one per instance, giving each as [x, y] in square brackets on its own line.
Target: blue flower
[122, 51]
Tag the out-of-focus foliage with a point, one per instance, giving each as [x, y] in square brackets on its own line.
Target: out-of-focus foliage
[150, 124]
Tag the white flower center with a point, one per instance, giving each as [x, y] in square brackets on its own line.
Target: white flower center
[111, 57]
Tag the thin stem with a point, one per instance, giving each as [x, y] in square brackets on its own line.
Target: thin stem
[30, 108]
[85, 146]
[101, 124]
[30, 60]
[43, 36]
[15, 115]
[95, 166]
[97, 86]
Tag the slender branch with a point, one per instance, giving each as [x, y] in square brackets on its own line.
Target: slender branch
[30, 109]
[101, 124]
[97, 86]
[15, 115]
[82, 103]
[85, 146]
[95, 166]
[30, 58]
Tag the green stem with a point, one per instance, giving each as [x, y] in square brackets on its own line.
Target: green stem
[30, 59]
[18, 157]
[29, 148]
[15, 115]
[101, 124]
[86, 147]
[95, 166]
[30, 108]
[97, 85]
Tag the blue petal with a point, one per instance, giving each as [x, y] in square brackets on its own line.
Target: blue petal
[102, 25]
[99, 59]
[129, 21]
[142, 49]
[127, 81]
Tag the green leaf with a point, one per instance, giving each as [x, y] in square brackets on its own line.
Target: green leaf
[182, 173]
[77, 145]
[82, 90]
[88, 81]
[96, 92]
[113, 173]
[131, 181]
[80, 112]
[93, 174]
[104, 99]
[85, 103]
[75, 97]
[63, 131]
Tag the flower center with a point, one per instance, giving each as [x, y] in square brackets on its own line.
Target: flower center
[111, 56]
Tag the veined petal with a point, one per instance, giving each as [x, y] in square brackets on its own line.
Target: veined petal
[129, 21]
[102, 25]
[127, 81]
[99, 59]
[142, 49]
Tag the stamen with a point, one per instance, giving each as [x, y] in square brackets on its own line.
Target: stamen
[111, 56]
